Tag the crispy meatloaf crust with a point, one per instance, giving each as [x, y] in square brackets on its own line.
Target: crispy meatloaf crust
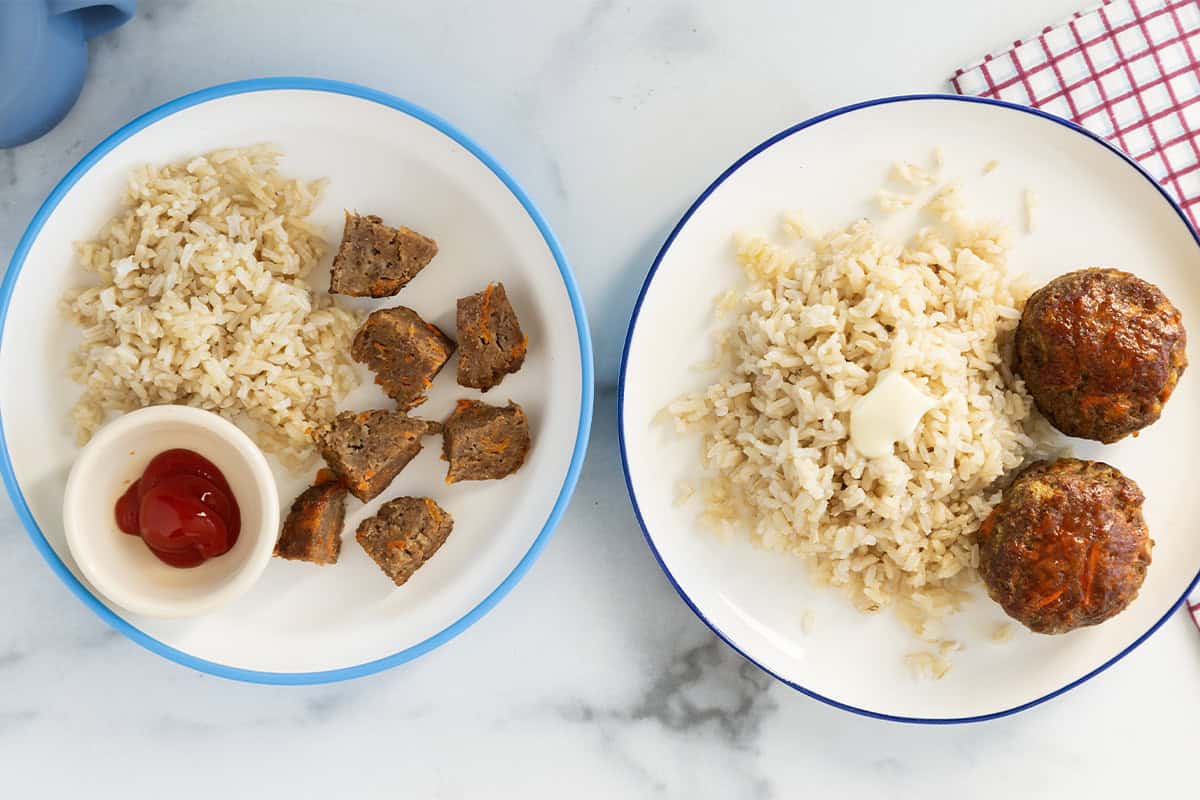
[404, 535]
[313, 528]
[404, 351]
[484, 442]
[1067, 545]
[489, 335]
[368, 449]
[1100, 351]
[375, 260]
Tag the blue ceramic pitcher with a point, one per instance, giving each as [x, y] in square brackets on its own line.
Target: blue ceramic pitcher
[43, 59]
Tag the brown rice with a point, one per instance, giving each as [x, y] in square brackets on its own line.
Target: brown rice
[201, 300]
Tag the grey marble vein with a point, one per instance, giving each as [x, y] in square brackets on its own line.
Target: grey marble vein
[103, 637]
[8, 168]
[158, 12]
[707, 689]
[15, 720]
[12, 657]
[709, 686]
[680, 29]
[559, 67]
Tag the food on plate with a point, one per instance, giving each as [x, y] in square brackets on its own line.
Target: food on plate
[1030, 200]
[404, 535]
[887, 414]
[1101, 351]
[489, 335]
[367, 449]
[200, 299]
[313, 528]
[819, 321]
[1067, 545]
[182, 508]
[404, 351]
[375, 260]
[484, 442]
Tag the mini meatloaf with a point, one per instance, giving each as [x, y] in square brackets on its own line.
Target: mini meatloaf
[375, 260]
[313, 528]
[489, 335]
[1100, 351]
[367, 450]
[484, 442]
[404, 535]
[1067, 545]
[404, 351]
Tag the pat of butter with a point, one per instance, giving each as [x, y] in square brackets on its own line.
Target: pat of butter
[886, 414]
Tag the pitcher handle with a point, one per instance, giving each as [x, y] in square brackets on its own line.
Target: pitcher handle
[96, 17]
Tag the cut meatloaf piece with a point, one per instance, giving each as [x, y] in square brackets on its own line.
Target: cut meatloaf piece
[489, 337]
[404, 351]
[404, 534]
[368, 449]
[484, 442]
[313, 528]
[375, 260]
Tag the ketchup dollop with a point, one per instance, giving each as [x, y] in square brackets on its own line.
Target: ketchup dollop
[182, 508]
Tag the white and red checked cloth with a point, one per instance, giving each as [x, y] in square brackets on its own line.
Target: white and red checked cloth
[1128, 70]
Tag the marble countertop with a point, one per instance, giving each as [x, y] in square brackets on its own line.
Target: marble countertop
[592, 679]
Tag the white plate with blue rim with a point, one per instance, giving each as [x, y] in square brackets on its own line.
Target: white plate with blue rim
[1094, 207]
[302, 623]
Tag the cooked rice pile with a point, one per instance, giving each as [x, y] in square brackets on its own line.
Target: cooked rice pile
[818, 321]
[202, 301]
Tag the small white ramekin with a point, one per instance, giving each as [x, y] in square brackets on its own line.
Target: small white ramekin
[120, 566]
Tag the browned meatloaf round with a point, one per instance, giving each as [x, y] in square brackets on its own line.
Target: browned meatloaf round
[1067, 545]
[1100, 350]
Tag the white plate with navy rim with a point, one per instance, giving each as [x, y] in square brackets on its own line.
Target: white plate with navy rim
[1095, 207]
[382, 155]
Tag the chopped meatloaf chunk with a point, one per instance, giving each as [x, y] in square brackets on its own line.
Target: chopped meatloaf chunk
[490, 337]
[484, 442]
[313, 528]
[375, 260]
[368, 449]
[404, 351]
[404, 535]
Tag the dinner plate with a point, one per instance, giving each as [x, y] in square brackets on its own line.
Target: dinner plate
[302, 623]
[1094, 206]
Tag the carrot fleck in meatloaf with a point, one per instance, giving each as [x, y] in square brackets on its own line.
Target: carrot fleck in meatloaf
[404, 535]
[484, 442]
[368, 449]
[489, 335]
[313, 528]
[404, 351]
[375, 260]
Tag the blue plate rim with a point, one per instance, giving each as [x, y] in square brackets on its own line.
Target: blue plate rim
[581, 324]
[837, 112]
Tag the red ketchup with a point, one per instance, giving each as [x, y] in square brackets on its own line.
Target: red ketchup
[182, 508]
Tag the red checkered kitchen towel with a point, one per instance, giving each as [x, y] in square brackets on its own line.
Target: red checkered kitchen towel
[1128, 70]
